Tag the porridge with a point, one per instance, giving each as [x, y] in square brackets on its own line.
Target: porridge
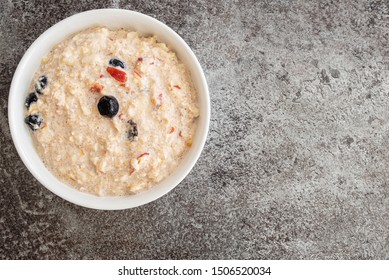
[111, 112]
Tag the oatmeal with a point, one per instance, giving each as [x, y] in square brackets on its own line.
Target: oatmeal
[111, 112]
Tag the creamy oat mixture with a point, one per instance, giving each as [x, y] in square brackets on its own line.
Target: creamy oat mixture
[111, 112]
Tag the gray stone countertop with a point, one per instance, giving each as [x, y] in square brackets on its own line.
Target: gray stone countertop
[297, 158]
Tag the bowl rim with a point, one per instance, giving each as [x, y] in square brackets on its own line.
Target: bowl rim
[102, 203]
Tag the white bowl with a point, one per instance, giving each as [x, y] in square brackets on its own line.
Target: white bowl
[30, 62]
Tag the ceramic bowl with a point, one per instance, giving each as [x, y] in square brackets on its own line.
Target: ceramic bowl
[111, 18]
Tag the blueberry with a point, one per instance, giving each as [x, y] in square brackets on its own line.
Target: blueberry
[116, 63]
[133, 130]
[34, 121]
[41, 84]
[31, 98]
[108, 106]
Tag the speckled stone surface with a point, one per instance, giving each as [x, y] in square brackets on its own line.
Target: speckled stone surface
[297, 158]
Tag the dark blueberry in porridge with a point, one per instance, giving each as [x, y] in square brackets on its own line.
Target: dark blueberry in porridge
[108, 106]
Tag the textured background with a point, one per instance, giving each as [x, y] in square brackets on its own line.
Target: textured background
[296, 162]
